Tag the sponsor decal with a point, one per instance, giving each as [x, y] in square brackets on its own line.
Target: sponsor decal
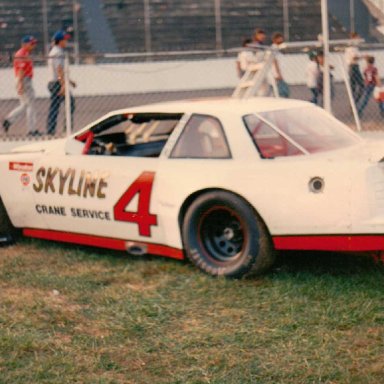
[71, 182]
[85, 184]
[22, 167]
[25, 179]
[80, 213]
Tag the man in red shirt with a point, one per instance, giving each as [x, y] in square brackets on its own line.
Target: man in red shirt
[371, 80]
[23, 68]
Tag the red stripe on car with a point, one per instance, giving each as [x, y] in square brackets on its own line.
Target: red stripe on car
[102, 242]
[330, 243]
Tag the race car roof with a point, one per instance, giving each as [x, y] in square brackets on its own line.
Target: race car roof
[220, 105]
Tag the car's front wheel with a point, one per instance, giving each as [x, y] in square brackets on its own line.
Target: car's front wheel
[8, 232]
[223, 235]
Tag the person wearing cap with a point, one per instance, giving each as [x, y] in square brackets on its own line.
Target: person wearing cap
[23, 69]
[56, 85]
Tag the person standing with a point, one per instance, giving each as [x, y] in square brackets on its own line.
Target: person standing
[371, 79]
[313, 73]
[352, 57]
[244, 58]
[258, 40]
[259, 37]
[282, 86]
[56, 86]
[23, 69]
[320, 78]
[258, 43]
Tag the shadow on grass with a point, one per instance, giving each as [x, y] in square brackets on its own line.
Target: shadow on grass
[329, 263]
[288, 262]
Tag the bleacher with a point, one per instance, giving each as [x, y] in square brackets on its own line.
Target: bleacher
[305, 21]
[26, 17]
[126, 19]
[182, 25]
[174, 24]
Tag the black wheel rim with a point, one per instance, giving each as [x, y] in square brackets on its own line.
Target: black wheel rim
[222, 233]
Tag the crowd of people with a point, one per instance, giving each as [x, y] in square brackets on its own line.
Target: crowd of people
[23, 71]
[250, 54]
[363, 84]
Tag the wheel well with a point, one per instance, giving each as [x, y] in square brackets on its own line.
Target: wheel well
[189, 200]
[6, 226]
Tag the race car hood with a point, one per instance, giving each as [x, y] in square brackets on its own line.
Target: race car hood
[41, 146]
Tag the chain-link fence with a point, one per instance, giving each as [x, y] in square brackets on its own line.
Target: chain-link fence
[110, 82]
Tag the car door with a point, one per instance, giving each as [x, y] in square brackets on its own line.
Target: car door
[106, 192]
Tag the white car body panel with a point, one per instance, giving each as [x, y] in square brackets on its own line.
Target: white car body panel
[352, 201]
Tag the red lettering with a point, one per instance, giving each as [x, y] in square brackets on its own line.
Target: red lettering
[143, 218]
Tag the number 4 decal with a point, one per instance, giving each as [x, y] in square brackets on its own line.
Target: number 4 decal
[142, 187]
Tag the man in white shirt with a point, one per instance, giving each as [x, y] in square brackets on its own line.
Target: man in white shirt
[352, 57]
[313, 72]
[57, 84]
[244, 58]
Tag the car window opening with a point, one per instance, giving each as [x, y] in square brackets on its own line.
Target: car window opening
[137, 135]
[290, 132]
[203, 137]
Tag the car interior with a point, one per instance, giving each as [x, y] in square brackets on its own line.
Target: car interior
[145, 135]
[138, 135]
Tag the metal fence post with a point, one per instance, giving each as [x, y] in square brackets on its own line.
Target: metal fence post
[76, 10]
[326, 69]
[45, 27]
[68, 115]
[147, 26]
[352, 15]
[286, 19]
[218, 27]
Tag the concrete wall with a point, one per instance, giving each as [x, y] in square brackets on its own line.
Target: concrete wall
[116, 79]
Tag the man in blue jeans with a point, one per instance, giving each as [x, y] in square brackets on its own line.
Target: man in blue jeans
[57, 84]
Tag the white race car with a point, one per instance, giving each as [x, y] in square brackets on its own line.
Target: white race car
[224, 182]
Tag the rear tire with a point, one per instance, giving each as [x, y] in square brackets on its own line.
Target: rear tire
[8, 233]
[224, 236]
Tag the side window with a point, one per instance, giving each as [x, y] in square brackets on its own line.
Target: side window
[269, 143]
[136, 135]
[202, 138]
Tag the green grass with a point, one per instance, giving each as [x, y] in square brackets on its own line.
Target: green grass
[80, 315]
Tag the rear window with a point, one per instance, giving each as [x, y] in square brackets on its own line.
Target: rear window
[297, 131]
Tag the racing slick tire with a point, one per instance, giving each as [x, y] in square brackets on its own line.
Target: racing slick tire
[8, 233]
[224, 236]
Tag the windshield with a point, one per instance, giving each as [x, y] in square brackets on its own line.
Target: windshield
[297, 131]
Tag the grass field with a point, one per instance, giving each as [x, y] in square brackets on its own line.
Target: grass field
[80, 315]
